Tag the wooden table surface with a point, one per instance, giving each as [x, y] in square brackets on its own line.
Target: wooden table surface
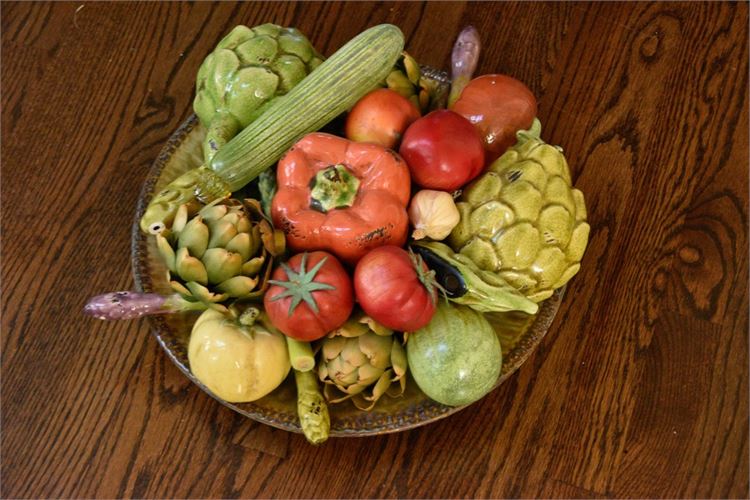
[640, 388]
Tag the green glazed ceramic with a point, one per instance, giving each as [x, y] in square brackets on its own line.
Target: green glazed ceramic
[523, 219]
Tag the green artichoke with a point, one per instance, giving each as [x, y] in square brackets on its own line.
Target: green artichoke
[360, 355]
[247, 70]
[425, 89]
[222, 252]
[523, 219]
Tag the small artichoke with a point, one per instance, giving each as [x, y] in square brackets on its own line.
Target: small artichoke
[360, 355]
[222, 252]
[425, 89]
[247, 70]
[523, 219]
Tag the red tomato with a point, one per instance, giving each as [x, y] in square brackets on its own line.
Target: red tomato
[443, 150]
[380, 117]
[306, 305]
[499, 106]
[393, 291]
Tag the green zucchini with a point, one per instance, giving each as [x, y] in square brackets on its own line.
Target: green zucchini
[332, 88]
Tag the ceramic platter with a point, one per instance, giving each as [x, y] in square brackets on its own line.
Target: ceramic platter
[519, 333]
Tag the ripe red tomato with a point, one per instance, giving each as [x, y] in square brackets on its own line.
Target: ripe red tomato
[306, 305]
[443, 150]
[499, 106]
[380, 117]
[395, 288]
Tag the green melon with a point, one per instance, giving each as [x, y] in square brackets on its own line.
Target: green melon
[456, 359]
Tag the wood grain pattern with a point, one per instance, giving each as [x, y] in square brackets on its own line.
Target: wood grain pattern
[639, 390]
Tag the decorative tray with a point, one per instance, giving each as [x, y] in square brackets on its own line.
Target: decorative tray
[519, 333]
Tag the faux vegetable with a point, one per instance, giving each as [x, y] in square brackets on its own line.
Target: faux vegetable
[498, 106]
[300, 355]
[523, 219]
[131, 305]
[332, 88]
[223, 252]
[311, 405]
[310, 295]
[433, 214]
[362, 360]
[443, 151]
[464, 59]
[245, 72]
[341, 196]
[426, 89]
[381, 117]
[236, 357]
[396, 288]
[457, 358]
[267, 187]
[311, 408]
[467, 284]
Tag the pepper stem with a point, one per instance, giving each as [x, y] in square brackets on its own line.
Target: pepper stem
[248, 316]
[333, 187]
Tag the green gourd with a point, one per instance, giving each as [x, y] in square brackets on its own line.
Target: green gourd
[455, 359]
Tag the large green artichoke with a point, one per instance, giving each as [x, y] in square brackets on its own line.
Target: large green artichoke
[360, 355]
[246, 70]
[523, 219]
[221, 253]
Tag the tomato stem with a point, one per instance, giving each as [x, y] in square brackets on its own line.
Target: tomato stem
[426, 276]
[301, 285]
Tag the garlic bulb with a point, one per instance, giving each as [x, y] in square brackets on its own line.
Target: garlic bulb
[433, 214]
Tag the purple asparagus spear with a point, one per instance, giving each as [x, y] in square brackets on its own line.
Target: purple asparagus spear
[464, 61]
[130, 305]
